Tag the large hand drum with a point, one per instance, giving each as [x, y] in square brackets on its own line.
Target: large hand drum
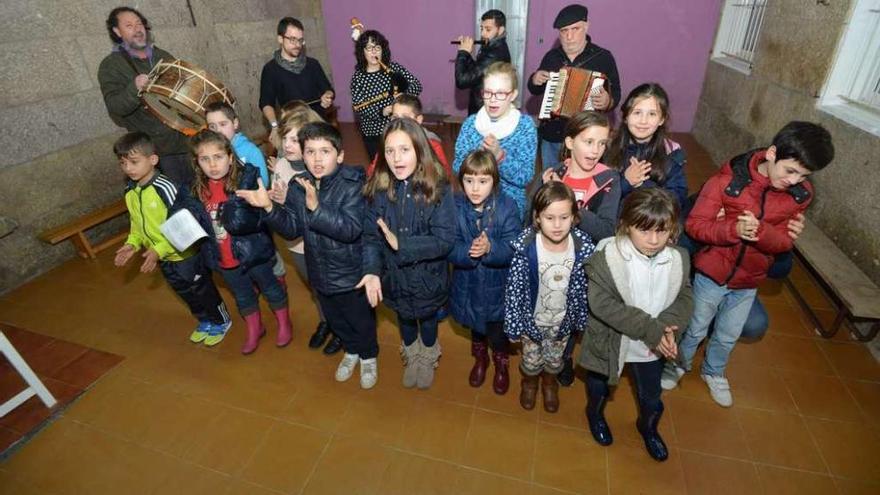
[178, 92]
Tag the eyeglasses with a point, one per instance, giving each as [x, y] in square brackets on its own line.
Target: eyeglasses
[498, 95]
[295, 41]
[373, 49]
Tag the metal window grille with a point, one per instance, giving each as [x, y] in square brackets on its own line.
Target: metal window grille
[864, 76]
[741, 23]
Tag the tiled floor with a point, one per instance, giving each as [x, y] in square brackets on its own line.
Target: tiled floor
[65, 368]
[179, 418]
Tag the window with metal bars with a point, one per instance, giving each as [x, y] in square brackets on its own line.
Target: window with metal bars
[738, 33]
[852, 89]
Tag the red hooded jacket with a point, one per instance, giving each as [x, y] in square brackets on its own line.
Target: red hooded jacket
[738, 186]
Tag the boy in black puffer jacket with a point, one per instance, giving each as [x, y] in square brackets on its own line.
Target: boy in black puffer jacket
[325, 206]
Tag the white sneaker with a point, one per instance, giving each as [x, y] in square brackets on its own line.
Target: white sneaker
[346, 367]
[719, 388]
[369, 373]
[671, 375]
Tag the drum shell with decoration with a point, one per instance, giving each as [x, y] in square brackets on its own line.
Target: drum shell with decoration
[178, 92]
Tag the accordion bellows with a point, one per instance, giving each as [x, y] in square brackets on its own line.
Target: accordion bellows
[568, 92]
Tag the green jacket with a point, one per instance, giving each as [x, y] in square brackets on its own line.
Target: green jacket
[116, 78]
[148, 207]
[611, 317]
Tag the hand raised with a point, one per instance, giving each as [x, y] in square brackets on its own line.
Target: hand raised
[311, 193]
[258, 198]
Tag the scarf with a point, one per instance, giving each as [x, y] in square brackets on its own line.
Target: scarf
[296, 66]
[500, 128]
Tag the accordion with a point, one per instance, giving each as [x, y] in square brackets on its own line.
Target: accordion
[568, 92]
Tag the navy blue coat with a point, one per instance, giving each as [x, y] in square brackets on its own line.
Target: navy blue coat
[251, 241]
[674, 182]
[332, 233]
[415, 278]
[477, 295]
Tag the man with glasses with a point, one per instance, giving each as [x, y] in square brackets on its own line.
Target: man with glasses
[291, 75]
[575, 50]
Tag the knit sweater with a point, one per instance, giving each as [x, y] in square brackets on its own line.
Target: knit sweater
[517, 167]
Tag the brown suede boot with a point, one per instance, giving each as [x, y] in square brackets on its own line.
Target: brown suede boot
[550, 391]
[529, 392]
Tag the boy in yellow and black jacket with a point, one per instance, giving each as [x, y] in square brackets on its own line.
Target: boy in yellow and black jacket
[151, 198]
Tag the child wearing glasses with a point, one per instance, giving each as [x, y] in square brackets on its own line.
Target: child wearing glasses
[501, 129]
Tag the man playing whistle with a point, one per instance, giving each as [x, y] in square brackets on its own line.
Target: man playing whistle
[468, 71]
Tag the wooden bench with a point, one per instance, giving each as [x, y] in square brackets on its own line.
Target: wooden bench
[857, 296]
[75, 230]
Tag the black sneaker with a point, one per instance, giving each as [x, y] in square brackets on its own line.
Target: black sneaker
[566, 376]
[334, 346]
[320, 336]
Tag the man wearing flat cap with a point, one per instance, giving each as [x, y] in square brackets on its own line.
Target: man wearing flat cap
[575, 50]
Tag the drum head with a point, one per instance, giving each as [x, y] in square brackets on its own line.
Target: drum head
[178, 92]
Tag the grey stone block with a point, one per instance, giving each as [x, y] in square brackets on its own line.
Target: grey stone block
[721, 137]
[246, 40]
[38, 128]
[38, 19]
[41, 69]
[797, 44]
[63, 184]
[243, 79]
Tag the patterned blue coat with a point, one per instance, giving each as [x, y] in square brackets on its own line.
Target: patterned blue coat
[522, 288]
[518, 166]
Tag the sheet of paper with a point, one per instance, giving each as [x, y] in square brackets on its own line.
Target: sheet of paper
[182, 230]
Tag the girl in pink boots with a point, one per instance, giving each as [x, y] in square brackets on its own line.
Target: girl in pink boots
[243, 252]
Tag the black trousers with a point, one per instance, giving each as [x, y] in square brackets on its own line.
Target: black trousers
[353, 320]
[371, 143]
[647, 381]
[178, 168]
[192, 281]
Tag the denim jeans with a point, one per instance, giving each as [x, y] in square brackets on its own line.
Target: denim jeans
[549, 154]
[242, 281]
[411, 329]
[730, 309]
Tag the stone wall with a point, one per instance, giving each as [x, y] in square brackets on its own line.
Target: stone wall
[737, 112]
[57, 161]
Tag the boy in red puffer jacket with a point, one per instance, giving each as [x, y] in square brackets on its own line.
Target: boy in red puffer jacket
[758, 193]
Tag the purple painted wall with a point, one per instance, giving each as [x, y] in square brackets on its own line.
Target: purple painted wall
[667, 41]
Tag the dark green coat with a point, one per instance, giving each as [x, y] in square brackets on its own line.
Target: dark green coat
[610, 317]
[116, 78]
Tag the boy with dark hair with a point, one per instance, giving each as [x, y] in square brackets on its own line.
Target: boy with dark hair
[469, 70]
[325, 206]
[151, 198]
[759, 192]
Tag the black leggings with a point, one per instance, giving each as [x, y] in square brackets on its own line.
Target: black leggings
[494, 335]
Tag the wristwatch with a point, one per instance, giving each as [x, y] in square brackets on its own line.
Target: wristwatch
[273, 124]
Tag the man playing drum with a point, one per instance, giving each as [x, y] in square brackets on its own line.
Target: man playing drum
[575, 50]
[291, 75]
[123, 73]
